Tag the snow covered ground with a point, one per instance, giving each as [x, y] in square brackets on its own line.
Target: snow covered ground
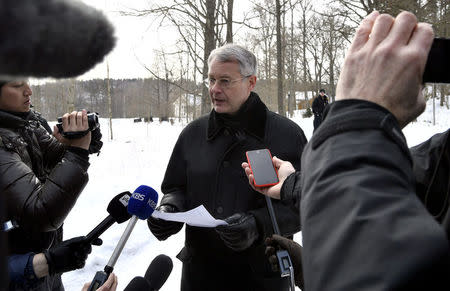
[138, 155]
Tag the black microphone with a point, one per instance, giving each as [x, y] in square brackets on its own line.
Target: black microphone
[137, 284]
[52, 38]
[117, 209]
[158, 272]
[141, 205]
[284, 259]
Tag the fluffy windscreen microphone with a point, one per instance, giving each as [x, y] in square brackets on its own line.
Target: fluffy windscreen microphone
[138, 284]
[158, 272]
[52, 38]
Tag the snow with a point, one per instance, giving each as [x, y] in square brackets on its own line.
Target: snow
[138, 155]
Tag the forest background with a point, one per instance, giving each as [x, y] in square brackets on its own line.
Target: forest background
[299, 44]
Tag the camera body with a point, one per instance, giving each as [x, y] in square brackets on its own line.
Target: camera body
[93, 124]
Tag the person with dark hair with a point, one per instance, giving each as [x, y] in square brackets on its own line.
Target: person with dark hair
[205, 169]
[41, 176]
[318, 106]
[370, 207]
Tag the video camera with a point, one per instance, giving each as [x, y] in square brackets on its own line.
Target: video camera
[92, 122]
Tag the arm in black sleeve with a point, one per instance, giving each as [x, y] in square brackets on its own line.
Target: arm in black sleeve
[363, 226]
[41, 206]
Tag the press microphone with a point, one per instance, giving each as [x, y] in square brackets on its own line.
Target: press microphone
[117, 209]
[138, 284]
[284, 260]
[141, 205]
[52, 38]
[158, 272]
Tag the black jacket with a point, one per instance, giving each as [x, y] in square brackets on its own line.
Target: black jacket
[40, 181]
[432, 172]
[319, 104]
[364, 227]
[205, 168]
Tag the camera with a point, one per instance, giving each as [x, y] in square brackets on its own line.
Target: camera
[92, 123]
[438, 62]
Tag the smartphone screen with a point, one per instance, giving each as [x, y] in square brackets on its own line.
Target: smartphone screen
[438, 62]
[260, 162]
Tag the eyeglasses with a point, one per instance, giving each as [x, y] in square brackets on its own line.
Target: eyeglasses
[223, 83]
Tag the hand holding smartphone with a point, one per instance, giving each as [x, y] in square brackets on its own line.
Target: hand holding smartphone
[264, 173]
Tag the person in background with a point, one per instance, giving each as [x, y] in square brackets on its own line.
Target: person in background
[204, 169]
[364, 224]
[318, 106]
[41, 176]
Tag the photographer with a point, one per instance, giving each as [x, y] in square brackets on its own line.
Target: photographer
[364, 227]
[41, 175]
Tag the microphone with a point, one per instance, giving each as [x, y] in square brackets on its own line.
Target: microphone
[141, 205]
[137, 284]
[284, 259]
[117, 209]
[52, 38]
[158, 272]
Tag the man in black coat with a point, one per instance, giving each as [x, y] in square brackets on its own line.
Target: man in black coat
[204, 169]
[364, 224]
[318, 106]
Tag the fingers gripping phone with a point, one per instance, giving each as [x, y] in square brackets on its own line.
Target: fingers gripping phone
[264, 172]
[438, 62]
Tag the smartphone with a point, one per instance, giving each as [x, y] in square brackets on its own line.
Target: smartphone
[437, 69]
[260, 162]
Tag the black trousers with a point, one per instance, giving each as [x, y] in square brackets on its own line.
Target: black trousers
[317, 121]
[209, 275]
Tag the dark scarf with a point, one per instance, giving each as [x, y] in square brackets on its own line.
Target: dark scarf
[250, 118]
[13, 119]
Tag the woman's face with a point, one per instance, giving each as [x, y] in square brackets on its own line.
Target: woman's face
[15, 96]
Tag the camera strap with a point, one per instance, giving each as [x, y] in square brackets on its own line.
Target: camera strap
[75, 134]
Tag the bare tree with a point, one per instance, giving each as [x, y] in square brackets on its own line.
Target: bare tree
[280, 65]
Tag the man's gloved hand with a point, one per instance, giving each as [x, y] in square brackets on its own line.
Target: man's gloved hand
[275, 243]
[240, 233]
[96, 143]
[161, 228]
[68, 255]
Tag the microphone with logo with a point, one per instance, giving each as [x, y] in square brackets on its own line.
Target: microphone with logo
[117, 209]
[141, 205]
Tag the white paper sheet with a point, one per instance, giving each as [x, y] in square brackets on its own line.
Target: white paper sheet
[198, 216]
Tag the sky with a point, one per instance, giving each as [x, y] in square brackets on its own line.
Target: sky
[138, 155]
[137, 38]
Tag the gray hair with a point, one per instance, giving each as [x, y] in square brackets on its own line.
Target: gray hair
[235, 53]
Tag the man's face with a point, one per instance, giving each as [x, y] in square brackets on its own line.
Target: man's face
[15, 96]
[228, 88]
[322, 93]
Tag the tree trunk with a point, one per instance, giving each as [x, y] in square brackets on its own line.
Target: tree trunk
[209, 46]
[230, 21]
[281, 110]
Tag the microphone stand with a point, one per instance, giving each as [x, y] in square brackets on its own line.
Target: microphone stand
[284, 260]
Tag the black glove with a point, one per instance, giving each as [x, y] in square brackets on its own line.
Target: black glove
[161, 228]
[96, 143]
[276, 243]
[68, 255]
[240, 233]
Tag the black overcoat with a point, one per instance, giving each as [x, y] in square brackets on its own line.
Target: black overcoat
[205, 169]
